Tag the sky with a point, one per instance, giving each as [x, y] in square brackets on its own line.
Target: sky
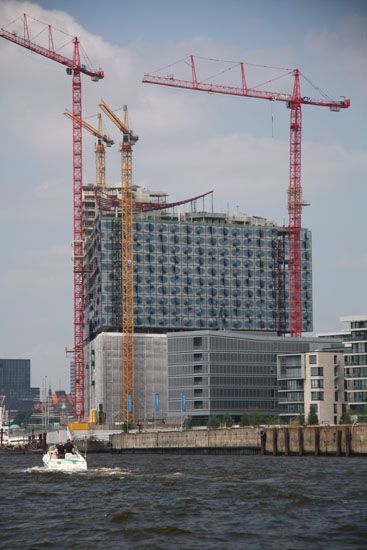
[190, 142]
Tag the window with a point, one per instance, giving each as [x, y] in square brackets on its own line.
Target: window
[317, 395]
[198, 368]
[198, 356]
[198, 404]
[336, 396]
[198, 379]
[312, 360]
[335, 359]
[317, 371]
[317, 383]
[198, 342]
[335, 408]
[313, 409]
[198, 391]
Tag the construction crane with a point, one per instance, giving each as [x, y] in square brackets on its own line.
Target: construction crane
[294, 101]
[127, 267]
[75, 69]
[99, 147]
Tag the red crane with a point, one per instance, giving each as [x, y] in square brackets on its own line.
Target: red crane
[74, 68]
[295, 204]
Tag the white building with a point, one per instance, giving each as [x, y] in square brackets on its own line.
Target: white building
[311, 382]
[355, 362]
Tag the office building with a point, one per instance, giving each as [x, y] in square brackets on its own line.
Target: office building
[15, 384]
[219, 372]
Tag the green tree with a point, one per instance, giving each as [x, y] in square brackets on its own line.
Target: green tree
[312, 418]
[345, 418]
[301, 419]
[213, 422]
[244, 420]
[255, 418]
[227, 420]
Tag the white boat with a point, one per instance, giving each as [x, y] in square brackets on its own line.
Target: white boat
[72, 462]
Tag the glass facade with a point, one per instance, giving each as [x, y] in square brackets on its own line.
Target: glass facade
[231, 372]
[201, 272]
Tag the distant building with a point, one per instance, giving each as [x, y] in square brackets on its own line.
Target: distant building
[218, 372]
[15, 385]
[103, 360]
[311, 382]
[355, 360]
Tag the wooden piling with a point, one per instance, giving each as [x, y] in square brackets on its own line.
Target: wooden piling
[339, 435]
[317, 441]
[300, 441]
[286, 441]
[347, 434]
[275, 441]
[263, 442]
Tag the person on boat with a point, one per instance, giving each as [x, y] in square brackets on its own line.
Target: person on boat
[69, 446]
[60, 450]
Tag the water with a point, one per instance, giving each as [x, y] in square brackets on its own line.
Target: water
[165, 501]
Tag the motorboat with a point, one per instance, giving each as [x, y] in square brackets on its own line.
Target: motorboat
[70, 462]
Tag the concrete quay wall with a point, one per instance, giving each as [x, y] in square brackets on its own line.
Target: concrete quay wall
[282, 440]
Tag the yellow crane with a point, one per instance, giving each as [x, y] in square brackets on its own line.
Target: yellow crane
[99, 147]
[127, 268]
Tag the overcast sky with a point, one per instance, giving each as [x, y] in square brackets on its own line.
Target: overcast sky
[189, 143]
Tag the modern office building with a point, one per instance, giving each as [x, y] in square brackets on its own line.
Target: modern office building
[355, 362]
[15, 384]
[195, 270]
[311, 382]
[103, 359]
[219, 372]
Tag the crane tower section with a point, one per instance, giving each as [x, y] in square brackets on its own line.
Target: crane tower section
[294, 101]
[74, 68]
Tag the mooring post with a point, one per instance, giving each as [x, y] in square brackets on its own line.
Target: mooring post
[348, 449]
[44, 441]
[275, 441]
[263, 442]
[1, 437]
[339, 435]
[317, 441]
[300, 441]
[286, 441]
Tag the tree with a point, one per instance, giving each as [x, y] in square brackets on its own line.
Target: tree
[301, 419]
[213, 422]
[312, 418]
[255, 418]
[345, 418]
[227, 420]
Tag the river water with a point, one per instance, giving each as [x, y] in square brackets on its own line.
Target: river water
[165, 501]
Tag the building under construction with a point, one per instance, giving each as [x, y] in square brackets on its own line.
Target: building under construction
[193, 269]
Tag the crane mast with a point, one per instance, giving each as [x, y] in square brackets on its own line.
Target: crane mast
[100, 151]
[75, 69]
[127, 264]
[294, 101]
